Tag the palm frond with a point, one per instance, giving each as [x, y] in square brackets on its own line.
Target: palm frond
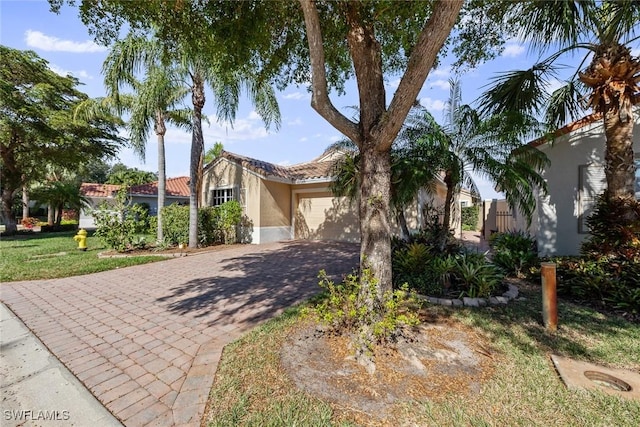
[522, 91]
[565, 104]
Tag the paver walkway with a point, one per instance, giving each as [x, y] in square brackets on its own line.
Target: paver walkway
[146, 340]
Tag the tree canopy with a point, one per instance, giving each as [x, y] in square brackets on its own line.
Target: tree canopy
[37, 125]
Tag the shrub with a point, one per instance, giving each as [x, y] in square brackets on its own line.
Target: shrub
[469, 216]
[609, 270]
[29, 222]
[614, 226]
[120, 224]
[513, 251]
[215, 224]
[344, 311]
[175, 224]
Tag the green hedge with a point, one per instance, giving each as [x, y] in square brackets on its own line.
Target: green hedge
[215, 224]
[470, 218]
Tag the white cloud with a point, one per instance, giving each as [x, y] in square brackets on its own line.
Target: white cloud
[38, 40]
[297, 95]
[284, 163]
[62, 72]
[512, 50]
[432, 104]
[303, 139]
[441, 72]
[442, 84]
[295, 122]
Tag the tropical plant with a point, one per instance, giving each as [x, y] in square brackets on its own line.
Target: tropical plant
[490, 147]
[59, 195]
[513, 251]
[610, 83]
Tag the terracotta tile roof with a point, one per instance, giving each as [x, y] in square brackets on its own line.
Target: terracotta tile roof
[176, 187]
[578, 124]
[98, 190]
[300, 171]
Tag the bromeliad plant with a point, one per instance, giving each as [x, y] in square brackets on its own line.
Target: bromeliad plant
[513, 251]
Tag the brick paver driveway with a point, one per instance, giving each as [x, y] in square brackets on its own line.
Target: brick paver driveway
[146, 340]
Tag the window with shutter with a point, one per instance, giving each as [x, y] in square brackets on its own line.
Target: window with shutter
[592, 183]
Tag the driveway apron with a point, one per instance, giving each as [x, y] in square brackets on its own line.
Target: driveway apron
[146, 340]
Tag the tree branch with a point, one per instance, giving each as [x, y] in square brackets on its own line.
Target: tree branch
[431, 39]
[320, 94]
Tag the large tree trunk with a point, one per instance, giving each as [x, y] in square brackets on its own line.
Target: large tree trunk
[10, 226]
[160, 130]
[197, 148]
[375, 232]
[619, 163]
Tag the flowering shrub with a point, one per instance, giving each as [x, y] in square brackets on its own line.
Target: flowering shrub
[29, 222]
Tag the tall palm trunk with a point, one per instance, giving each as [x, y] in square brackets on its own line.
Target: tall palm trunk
[612, 76]
[25, 202]
[620, 168]
[161, 130]
[197, 148]
[448, 200]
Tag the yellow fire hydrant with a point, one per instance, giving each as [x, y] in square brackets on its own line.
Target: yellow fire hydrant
[81, 238]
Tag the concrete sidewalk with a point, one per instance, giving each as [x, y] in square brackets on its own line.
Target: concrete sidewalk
[38, 390]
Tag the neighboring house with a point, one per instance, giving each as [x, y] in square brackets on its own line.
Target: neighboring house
[575, 178]
[176, 191]
[291, 202]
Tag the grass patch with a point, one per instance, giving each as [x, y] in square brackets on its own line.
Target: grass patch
[252, 389]
[53, 255]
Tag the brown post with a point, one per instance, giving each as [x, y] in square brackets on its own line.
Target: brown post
[549, 299]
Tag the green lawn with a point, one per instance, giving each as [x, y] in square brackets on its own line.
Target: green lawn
[252, 389]
[52, 255]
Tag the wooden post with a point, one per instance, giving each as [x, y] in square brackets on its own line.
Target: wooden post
[549, 298]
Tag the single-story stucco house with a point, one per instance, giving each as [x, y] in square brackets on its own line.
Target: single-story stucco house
[295, 202]
[176, 191]
[575, 178]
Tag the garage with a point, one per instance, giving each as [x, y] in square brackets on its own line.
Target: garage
[320, 216]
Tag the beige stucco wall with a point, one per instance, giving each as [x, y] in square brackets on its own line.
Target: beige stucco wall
[555, 223]
[275, 204]
[247, 186]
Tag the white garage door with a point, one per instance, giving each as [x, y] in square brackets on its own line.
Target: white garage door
[320, 216]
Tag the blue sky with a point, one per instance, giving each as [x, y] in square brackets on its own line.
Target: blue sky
[63, 40]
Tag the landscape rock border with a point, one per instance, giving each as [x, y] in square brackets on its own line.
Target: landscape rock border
[509, 295]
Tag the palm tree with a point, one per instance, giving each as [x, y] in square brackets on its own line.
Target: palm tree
[156, 101]
[198, 72]
[490, 147]
[610, 82]
[58, 195]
